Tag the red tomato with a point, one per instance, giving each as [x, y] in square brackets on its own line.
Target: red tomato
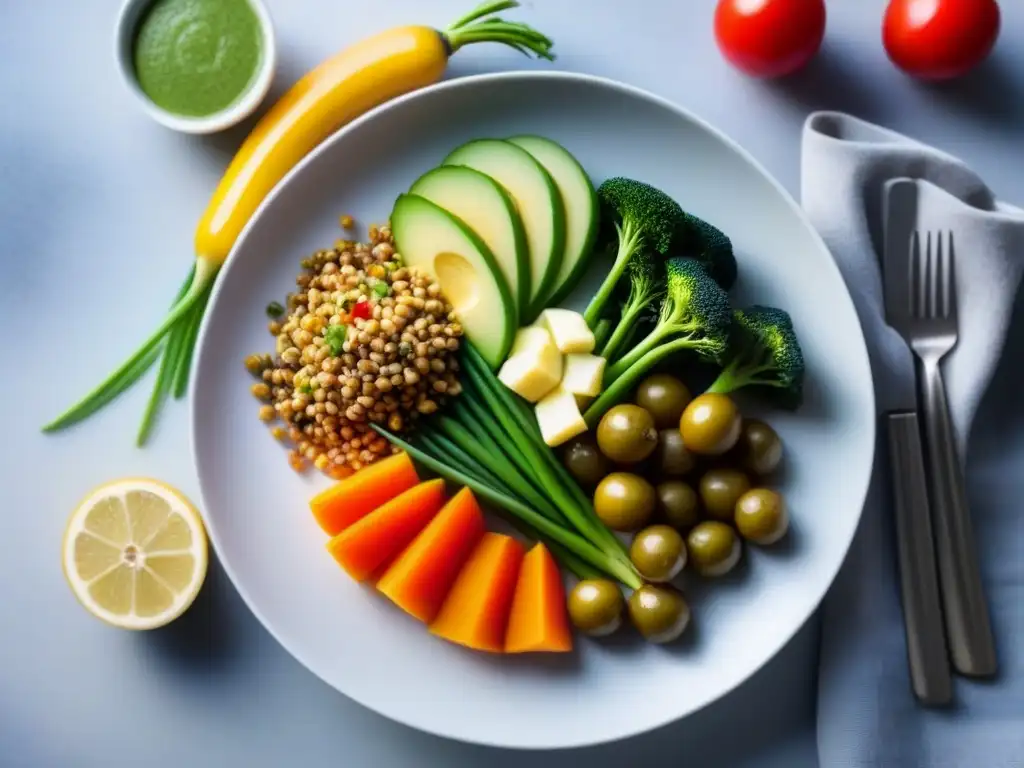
[769, 38]
[939, 39]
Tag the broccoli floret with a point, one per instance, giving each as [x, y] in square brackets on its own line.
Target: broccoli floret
[695, 310]
[695, 316]
[764, 352]
[711, 247]
[647, 286]
[646, 280]
[645, 219]
[646, 276]
[629, 202]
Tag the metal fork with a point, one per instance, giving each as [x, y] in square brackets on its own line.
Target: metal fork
[931, 331]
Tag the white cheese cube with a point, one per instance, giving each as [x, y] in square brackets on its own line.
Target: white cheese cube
[532, 337]
[535, 366]
[582, 374]
[568, 329]
[559, 417]
[528, 377]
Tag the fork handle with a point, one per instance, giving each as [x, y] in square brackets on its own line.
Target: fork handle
[968, 628]
[927, 652]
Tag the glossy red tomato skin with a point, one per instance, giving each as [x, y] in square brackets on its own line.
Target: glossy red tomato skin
[769, 38]
[939, 39]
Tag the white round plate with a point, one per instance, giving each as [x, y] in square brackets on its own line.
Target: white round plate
[256, 506]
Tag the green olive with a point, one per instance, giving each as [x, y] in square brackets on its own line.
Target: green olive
[713, 547]
[626, 434]
[720, 489]
[658, 552]
[710, 424]
[759, 449]
[664, 397]
[595, 607]
[624, 501]
[761, 516]
[671, 458]
[659, 613]
[677, 504]
[584, 461]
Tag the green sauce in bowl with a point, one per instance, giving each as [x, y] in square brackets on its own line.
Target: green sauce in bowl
[197, 57]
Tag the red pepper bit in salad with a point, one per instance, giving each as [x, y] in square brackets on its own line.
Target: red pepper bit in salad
[362, 311]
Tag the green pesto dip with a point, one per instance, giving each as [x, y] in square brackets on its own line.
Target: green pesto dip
[196, 57]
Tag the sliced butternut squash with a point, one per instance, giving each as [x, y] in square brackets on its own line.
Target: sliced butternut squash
[538, 620]
[420, 578]
[475, 613]
[365, 546]
[355, 497]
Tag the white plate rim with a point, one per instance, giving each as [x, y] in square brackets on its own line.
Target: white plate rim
[511, 76]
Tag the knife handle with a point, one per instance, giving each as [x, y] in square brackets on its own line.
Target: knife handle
[927, 652]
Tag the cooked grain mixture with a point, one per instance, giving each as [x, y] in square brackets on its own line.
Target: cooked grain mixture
[363, 340]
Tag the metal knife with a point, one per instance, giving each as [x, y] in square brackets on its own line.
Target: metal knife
[927, 650]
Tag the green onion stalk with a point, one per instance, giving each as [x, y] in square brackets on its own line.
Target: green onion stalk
[539, 463]
[486, 439]
[453, 456]
[173, 343]
[594, 558]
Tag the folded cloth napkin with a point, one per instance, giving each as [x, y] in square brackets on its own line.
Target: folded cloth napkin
[867, 714]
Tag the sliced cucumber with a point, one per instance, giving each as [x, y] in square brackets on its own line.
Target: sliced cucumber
[484, 206]
[432, 240]
[537, 200]
[581, 210]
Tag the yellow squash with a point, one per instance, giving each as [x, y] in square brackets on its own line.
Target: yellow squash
[340, 89]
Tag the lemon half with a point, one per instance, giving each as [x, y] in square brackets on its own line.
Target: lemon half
[135, 553]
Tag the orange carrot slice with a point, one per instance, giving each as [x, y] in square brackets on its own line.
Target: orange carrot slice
[475, 613]
[538, 620]
[421, 577]
[355, 497]
[363, 547]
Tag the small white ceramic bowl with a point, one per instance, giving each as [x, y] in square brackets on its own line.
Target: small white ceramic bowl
[127, 24]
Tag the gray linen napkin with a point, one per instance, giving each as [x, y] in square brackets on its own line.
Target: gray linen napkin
[867, 715]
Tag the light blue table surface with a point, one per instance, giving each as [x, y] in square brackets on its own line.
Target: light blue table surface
[97, 210]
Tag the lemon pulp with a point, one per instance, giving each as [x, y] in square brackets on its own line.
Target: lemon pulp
[135, 553]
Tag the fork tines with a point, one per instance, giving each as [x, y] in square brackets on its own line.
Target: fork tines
[932, 275]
